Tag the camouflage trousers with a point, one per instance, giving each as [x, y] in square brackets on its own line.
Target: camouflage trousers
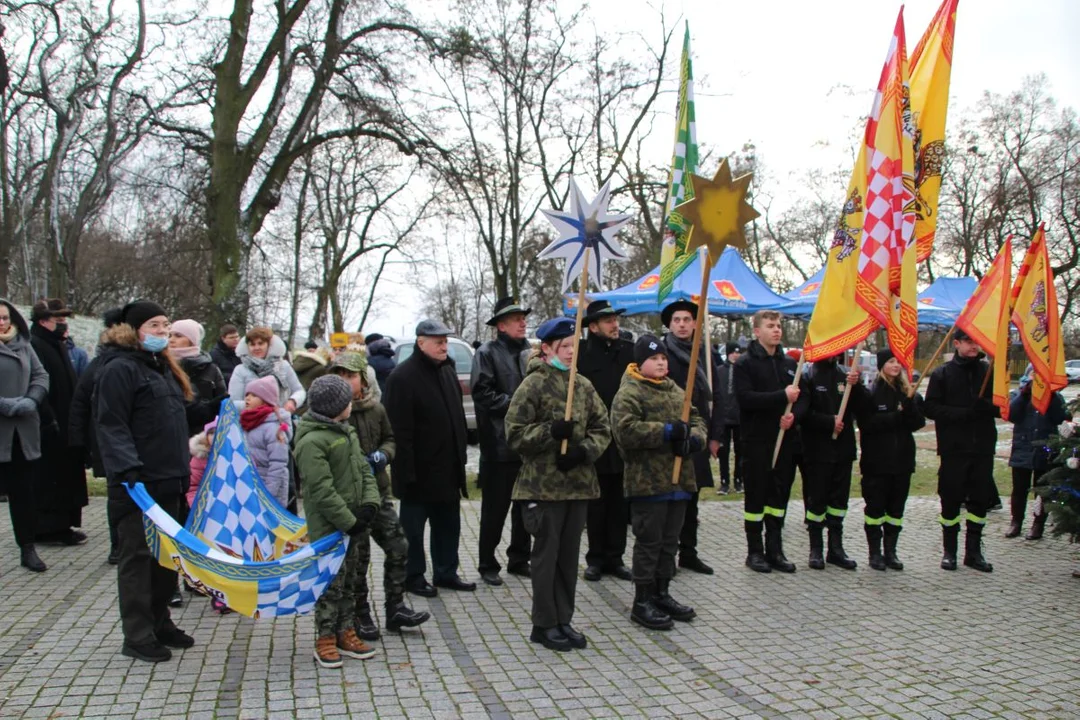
[334, 608]
[385, 530]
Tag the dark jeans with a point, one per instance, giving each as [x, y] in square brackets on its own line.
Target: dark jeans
[143, 585]
[729, 439]
[556, 528]
[606, 524]
[497, 480]
[826, 490]
[656, 538]
[965, 479]
[17, 482]
[445, 518]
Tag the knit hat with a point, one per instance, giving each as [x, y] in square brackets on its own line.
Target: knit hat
[112, 317]
[883, 356]
[266, 389]
[137, 312]
[329, 395]
[732, 347]
[190, 329]
[647, 346]
[210, 426]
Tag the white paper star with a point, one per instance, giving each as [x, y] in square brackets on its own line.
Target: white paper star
[586, 225]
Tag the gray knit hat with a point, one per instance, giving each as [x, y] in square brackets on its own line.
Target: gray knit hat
[329, 395]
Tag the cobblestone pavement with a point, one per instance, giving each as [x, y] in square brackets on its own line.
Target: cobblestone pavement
[918, 643]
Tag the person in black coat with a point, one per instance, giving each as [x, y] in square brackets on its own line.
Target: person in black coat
[680, 318]
[224, 351]
[1027, 461]
[380, 358]
[827, 485]
[603, 359]
[964, 421]
[887, 420]
[729, 431]
[423, 400]
[497, 370]
[142, 437]
[60, 490]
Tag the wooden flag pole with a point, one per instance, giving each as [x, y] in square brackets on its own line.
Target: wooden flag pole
[577, 343]
[847, 389]
[926, 370]
[695, 350]
[986, 378]
[795, 382]
[707, 340]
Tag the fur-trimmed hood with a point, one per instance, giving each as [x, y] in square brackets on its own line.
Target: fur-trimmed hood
[199, 446]
[121, 335]
[277, 349]
[17, 319]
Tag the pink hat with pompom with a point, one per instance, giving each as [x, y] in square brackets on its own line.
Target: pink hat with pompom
[266, 389]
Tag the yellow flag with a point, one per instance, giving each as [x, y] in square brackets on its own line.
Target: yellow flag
[1035, 314]
[986, 320]
[931, 70]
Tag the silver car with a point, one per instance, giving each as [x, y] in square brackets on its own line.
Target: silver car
[462, 354]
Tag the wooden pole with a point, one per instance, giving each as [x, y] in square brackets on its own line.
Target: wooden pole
[707, 340]
[926, 370]
[577, 342]
[847, 388]
[795, 382]
[695, 350]
[986, 377]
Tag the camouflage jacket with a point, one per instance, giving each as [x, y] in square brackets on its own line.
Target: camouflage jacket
[641, 409]
[539, 400]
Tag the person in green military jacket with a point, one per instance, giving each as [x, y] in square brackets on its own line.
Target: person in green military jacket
[646, 426]
[554, 487]
[340, 494]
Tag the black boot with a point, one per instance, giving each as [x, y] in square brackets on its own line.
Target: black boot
[892, 534]
[645, 612]
[364, 624]
[399, 615]
[1038, 525]
[817, 548]
[949, 540]
[29, 559]
[836, 555]
[973, 557]
[774, 545]
[1018, 505]
[668, 605]
[755, 549]
[873, 541]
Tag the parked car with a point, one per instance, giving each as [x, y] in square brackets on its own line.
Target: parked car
[1072, 371]
[462, 354]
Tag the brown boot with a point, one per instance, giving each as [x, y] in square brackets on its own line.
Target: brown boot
[326, 652]
[348, 643]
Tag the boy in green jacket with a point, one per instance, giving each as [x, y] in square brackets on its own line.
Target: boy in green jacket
[646, 426]
[340, 494]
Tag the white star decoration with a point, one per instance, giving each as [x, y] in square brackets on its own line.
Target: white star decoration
[587, 225]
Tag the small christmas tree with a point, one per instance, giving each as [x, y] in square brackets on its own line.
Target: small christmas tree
[1059, 487]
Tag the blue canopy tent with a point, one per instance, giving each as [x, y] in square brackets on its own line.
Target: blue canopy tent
[801, 300]
[943, 301]
[734, 289]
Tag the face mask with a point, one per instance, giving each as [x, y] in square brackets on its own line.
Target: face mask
[558, 364]
[155, 344]
[60, 329]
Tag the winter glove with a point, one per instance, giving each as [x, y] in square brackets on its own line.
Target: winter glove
[363, 519]
[562, 429]
[676, 431]
[377, 460]
[695, 444]
[23, 406]
[574, 456]
[130, 477]
[681, 447]
[7, 406]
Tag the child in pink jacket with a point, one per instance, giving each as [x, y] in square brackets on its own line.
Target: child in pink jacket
[200, 446]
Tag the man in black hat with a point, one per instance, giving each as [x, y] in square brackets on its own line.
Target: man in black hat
[680, 318]
[966, 440]
[498, 368]
[423, 400]
[603, 359]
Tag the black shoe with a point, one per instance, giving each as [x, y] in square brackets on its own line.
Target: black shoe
[175, 638]
[948, 561]
[668, 605]
[456, 583]
[576, 639]
[402, 616]
[519, 569]
[724, 488]
[491, 577]
[365, 626]
[756, 562]
[877, 562]
[978, 562]
[29, 559]
[622, 572]
[114, 556]
[645, 612]
[3, 498]
[695, 564]
[150, 652]
[72, 537]
[738, 485]
[177, 600]
[593, 573]
[816, 560]
[421, 587]
[552, 639]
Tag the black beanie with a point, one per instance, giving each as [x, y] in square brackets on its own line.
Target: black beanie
[138, 312]
[884, 356]
[113, 316]
[733, 347]
[647, 346]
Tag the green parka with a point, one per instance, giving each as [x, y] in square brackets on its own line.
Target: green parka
[337, 477]
[538, 401]
[638, 414]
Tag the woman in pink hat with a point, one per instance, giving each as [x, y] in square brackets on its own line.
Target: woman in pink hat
[185, 344]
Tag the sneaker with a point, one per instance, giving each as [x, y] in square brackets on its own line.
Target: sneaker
[174, 637]
[402, 616]
[177, 600]
[114, 556]
[73, 537]
[365, 627]
[724, 488]
[326, 652]
[350, 645]
[149, 652]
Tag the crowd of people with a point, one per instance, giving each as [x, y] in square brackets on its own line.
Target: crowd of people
[350, 431]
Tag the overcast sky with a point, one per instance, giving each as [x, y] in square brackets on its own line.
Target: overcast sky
[793, 77]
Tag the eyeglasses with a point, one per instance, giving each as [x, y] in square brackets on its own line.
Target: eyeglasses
[158, 325]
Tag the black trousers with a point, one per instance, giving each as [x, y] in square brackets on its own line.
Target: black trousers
[656, 528]
[1021, 486]
[688, 534]
[729, 440]
[497, 479]
[767, 489]
[826, 490]
[143, 585]
[965, 479]
[556, 528]
[17, 482]
[885, 497]
[445, 520]
[606, 524]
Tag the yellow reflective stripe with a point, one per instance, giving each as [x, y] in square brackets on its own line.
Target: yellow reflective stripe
[775, 512]
[836, 512]
[975, 519]
[874, 521]
[949, 523]
[898, 522]
[753, 517]
[813, 517]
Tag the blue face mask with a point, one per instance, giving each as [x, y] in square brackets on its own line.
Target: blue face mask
[558, 364]
[155, 344]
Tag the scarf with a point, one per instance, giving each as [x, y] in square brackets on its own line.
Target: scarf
[254, 417]
[681, 350]
[185, 353]
[8, 336]
[267, 366]
[635, 372]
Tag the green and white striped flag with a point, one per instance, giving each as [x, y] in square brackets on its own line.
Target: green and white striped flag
[674, 258]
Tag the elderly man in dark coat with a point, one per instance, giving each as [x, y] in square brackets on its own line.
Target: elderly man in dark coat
[60, 490]
[423, 400]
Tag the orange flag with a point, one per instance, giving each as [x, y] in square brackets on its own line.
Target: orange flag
[1035, 314]
[986, 320]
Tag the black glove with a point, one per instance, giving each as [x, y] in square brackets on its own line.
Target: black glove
[985, 407]
[695, 444]
[129, 478]
[562, 429]
[575, 455]
[676, 431]
[680, 447]
[363, 519]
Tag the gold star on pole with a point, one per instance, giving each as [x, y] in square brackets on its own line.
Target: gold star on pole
[718, 212]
